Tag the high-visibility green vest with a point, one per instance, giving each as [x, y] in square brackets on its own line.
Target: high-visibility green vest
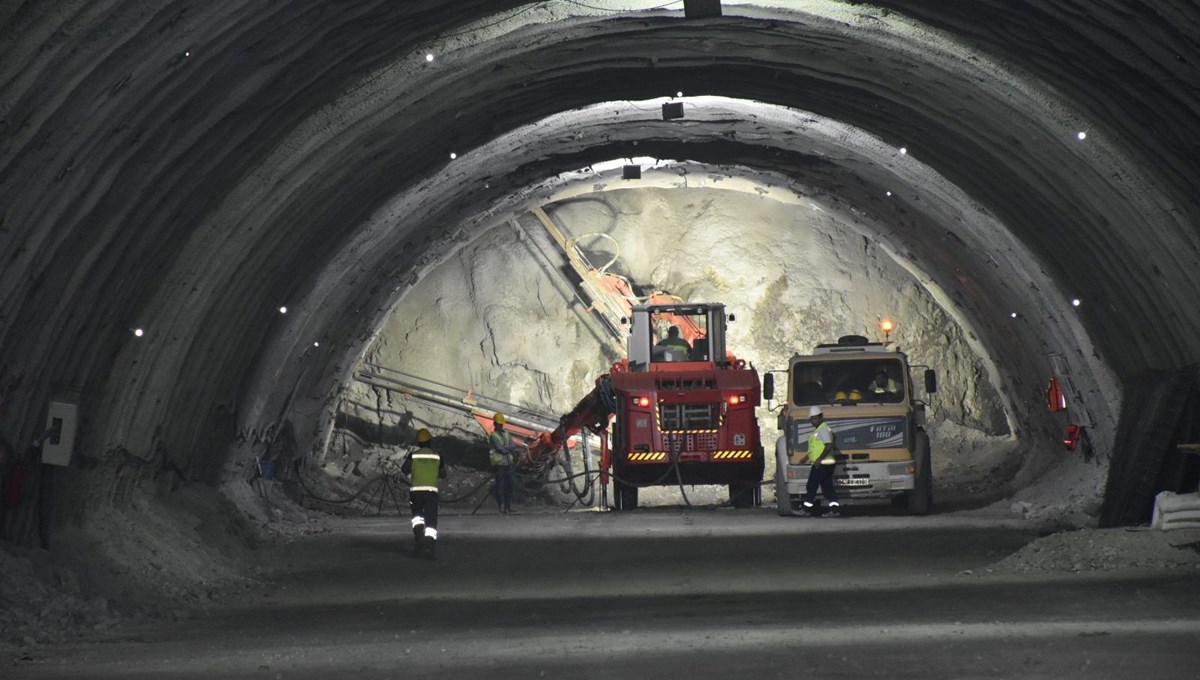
[675, 343]
[425, 464]
[816, 447]
[501, 443]
[890, 387]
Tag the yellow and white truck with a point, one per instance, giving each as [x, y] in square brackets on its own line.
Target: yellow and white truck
[867, 395]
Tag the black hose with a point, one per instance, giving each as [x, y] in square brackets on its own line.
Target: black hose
[352, 496]
[678, 474]
[587, 496]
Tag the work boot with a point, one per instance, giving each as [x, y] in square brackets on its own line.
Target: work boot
[835, 509]
[809, 509]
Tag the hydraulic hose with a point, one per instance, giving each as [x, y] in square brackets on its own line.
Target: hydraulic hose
[674, 454]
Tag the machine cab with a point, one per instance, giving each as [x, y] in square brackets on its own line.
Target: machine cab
[668, 334]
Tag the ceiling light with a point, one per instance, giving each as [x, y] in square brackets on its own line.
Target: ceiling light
[1014, 315]
[283, 310]
[316, 344]
[679, 93]
[453, 155]
[429, 57]
[1081, 136]
[889, 193]
[1075, 302]
[139, 332]
[903, 150]
[701, 9]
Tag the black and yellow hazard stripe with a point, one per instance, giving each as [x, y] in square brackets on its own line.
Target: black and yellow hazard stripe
[646, 456]
[732, 455]
[658, 425]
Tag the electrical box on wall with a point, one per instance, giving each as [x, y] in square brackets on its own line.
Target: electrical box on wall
[62, 419]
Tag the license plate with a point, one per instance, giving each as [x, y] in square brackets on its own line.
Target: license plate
[856, 481]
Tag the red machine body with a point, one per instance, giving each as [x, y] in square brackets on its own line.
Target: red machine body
[679, 416]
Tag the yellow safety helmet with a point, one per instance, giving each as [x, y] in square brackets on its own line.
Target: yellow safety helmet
[855, 395]
[840, 396]
[423, 436]
[499, 419]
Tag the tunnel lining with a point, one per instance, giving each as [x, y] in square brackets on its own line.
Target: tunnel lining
[162, 366]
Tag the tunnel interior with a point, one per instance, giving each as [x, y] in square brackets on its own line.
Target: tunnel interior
[1013, 182]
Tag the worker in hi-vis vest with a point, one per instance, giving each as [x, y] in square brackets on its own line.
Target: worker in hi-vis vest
[821, 452]
[424, 468]
[504, 455]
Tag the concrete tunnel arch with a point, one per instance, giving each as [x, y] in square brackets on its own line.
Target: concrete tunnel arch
[573, 129]
[208, 268]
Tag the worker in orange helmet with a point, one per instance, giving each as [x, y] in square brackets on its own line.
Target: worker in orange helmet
[504, 455]
[424, 468]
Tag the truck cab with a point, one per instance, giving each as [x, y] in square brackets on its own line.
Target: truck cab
[867, 395]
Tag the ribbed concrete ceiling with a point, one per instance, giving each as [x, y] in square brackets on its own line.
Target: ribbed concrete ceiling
[188, 169]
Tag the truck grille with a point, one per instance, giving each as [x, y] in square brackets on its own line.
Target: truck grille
[689, 417]
[691, 441]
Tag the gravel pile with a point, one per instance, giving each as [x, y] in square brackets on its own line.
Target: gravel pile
[43, 603]
[1089, 550]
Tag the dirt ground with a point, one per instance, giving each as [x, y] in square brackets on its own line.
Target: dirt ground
[668, 592]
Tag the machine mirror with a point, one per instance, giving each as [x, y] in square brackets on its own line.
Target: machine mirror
[769, 386]
[930, 381]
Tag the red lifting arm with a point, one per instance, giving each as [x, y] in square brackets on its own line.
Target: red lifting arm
[591, 412]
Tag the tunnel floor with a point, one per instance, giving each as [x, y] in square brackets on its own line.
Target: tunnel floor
[705, 592]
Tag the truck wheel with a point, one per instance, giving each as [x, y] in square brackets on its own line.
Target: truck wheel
[783, 500]
[920, 499]
[625, 496]
[741, 495]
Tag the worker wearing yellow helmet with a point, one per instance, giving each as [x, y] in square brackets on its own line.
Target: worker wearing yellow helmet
[504, 454]
[424, 468]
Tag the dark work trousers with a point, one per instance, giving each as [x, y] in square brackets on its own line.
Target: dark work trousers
[504, 487]
[424, 506]
[822, 476]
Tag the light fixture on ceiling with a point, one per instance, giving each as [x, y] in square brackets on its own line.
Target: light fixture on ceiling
[701, 9]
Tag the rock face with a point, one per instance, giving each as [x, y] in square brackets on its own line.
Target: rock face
[496, 318]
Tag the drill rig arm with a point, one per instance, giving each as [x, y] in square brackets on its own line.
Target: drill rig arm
[592, 412]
